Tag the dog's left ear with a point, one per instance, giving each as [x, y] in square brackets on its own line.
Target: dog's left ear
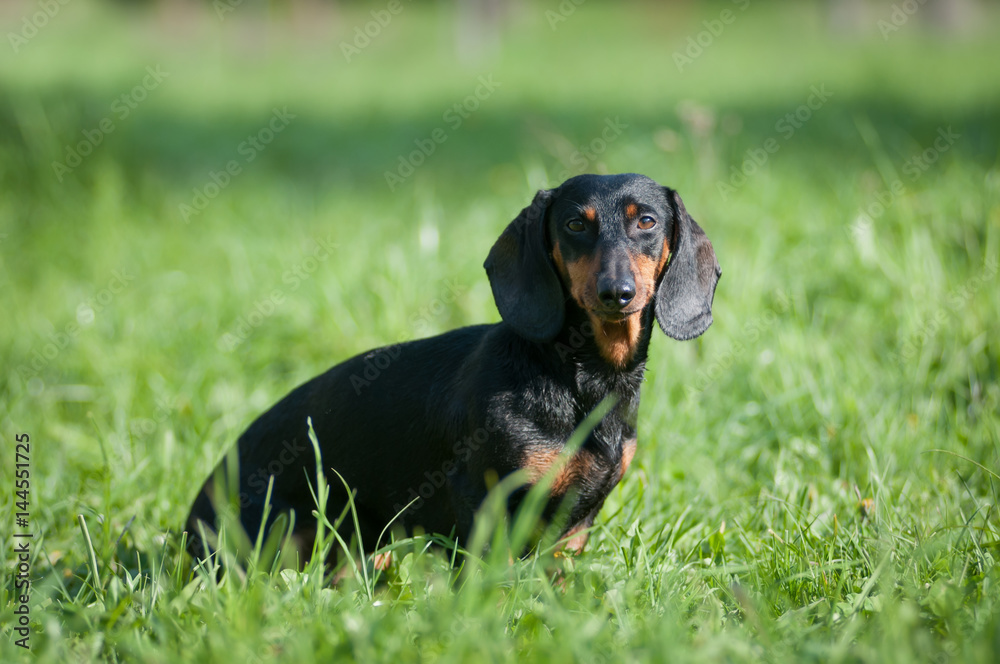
[525, 286]
[684, 297]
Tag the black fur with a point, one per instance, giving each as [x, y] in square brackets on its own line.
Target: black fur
[684, 299]
[433, 419]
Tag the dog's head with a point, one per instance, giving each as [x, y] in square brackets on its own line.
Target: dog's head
[615, 244]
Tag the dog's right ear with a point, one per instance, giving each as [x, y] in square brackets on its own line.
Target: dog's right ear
[526, 288]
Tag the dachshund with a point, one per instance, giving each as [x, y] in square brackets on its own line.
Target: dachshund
[578, 278]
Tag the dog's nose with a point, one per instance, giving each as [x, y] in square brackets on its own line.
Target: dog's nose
[617, 294]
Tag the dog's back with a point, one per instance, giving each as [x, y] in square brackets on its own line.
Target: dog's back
[388, 422]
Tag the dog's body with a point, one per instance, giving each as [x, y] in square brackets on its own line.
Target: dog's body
[579, 277]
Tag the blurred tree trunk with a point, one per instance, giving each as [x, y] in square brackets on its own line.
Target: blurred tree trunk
[952, 15]
[858, 16]
[478, 26]
[848, 16]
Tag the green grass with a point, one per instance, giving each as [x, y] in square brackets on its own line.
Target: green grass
[816, 477]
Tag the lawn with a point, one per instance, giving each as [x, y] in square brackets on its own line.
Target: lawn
[202, 208]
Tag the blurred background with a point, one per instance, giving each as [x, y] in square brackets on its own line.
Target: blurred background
[204, 203]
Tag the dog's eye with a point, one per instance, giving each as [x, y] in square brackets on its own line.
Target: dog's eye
[575, 225]
[646, 222]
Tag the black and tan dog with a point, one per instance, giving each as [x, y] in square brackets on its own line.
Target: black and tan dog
[578, 277]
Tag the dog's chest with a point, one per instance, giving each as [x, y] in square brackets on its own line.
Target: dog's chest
[592, 471]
